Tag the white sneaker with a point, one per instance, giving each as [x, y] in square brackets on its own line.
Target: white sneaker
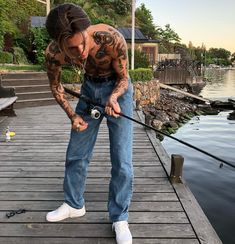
[64, 212]
[123, 234]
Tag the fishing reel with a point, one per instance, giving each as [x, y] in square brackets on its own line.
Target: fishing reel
[95, 112]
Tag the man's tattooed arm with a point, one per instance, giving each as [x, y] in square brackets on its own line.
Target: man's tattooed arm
[120, 65]
[54, 61]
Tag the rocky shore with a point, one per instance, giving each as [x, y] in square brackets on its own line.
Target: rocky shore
[172, 110]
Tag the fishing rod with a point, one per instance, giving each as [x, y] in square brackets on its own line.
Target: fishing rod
[96, 113]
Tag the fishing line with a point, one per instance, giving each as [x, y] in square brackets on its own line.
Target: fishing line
[94, 103]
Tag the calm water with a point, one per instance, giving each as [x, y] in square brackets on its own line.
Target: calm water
[213, 187]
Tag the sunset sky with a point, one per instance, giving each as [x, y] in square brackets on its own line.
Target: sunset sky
[211, 22]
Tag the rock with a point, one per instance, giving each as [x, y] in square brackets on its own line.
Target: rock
[157, 124]
[231, 116]
[173, 115]
[172, 125]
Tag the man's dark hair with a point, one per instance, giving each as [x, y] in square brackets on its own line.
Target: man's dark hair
[65, 20]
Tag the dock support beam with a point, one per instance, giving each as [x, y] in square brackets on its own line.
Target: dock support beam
[177, 162]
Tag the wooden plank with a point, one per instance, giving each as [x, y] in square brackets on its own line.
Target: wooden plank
[100, 180]
[37, 164]
[90, 206]
[45, 174]
[90, 188]
[91, 169]
[164, 241]
[101, 217]
[95, 230]
[42, 240]
[59, 196]
[184, 93]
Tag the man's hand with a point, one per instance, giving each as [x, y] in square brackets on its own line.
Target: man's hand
[112, 107]
[78, 123]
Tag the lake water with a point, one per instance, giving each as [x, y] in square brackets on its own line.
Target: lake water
[213, 187]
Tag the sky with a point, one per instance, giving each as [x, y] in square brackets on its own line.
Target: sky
[211, 22]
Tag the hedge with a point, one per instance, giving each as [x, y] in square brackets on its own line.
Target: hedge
[20, 56]
[69, 76]
[6, 57]
[141, 74]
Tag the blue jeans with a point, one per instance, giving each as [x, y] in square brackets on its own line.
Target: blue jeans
[81, 145]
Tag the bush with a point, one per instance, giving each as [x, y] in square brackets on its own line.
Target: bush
[141, 74]
[41, 40]
[20, 57]
[6, 57]
[141, 60]
[69, 76]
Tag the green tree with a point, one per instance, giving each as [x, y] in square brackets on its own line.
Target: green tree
[233, 57]
[15, 15]
[113, 12]
[169, 35]
[144, 20]
[6, 14]
[219, 56]
[168, 39]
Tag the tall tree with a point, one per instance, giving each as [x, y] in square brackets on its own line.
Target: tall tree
[144, 20]
[169, 35]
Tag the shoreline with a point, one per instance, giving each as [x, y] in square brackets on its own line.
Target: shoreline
[172, 110]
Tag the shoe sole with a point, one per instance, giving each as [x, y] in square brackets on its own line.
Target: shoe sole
[72, 216]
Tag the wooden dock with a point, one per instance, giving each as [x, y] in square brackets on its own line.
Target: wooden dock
[31, 178]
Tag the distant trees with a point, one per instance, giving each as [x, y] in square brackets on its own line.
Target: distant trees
[218, 56]
[233, 57]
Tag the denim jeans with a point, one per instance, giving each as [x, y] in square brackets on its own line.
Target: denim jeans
[81, 145]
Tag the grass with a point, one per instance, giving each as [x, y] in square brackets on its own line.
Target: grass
[15, 67]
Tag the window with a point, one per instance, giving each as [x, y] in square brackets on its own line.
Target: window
[150, 53]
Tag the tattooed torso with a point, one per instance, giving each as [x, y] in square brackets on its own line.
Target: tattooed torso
[107, 55]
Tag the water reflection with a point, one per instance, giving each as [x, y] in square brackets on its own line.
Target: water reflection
[213, 187]
[221, 84]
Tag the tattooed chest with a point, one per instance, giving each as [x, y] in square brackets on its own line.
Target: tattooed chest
[98, 66]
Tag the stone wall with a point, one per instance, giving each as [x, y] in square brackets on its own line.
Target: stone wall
[146, 93]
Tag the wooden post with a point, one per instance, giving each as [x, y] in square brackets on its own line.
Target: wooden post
[177, 162]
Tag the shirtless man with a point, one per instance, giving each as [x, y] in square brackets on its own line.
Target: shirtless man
[101, 52]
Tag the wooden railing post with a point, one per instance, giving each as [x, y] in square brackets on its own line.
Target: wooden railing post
[177, 162]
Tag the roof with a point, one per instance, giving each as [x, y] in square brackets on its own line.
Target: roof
[38, 21]
[127, 32]
[139, 37]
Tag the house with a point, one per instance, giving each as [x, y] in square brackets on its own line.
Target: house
[142, 43]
